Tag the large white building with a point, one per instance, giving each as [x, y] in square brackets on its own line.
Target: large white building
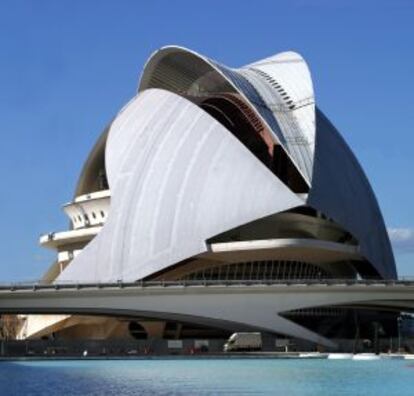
[215, 173]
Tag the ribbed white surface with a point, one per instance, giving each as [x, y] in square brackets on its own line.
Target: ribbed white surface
[177, 178]
[285, 84]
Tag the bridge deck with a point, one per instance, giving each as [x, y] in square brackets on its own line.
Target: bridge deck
[231, 305]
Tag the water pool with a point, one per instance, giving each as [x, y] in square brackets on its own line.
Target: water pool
[208, 377]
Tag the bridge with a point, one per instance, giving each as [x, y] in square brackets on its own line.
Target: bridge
[244, 305]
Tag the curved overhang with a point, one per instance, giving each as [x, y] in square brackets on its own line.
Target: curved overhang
[197, 67]
[289, 224]
[184, 72]
[337, 259]
[307, 250]
[56, 240]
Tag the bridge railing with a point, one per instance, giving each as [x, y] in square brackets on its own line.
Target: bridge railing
[39, 285]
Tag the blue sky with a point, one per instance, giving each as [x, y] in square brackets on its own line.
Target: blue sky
[66, 68]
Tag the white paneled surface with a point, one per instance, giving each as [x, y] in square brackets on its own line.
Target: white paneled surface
[177, 177]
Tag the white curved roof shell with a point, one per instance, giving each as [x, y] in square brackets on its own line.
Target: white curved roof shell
[176, 181]
[178, 177]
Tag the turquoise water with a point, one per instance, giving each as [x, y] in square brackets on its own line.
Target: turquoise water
[208, 377]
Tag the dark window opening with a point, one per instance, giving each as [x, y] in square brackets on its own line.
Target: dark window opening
[137, 331]
[102, 180]
[230, 116]
[238, 119]
[287, 172]
[305, 210]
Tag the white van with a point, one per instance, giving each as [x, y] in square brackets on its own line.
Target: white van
[243, 342]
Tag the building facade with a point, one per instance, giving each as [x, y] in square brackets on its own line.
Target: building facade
[220, 174]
